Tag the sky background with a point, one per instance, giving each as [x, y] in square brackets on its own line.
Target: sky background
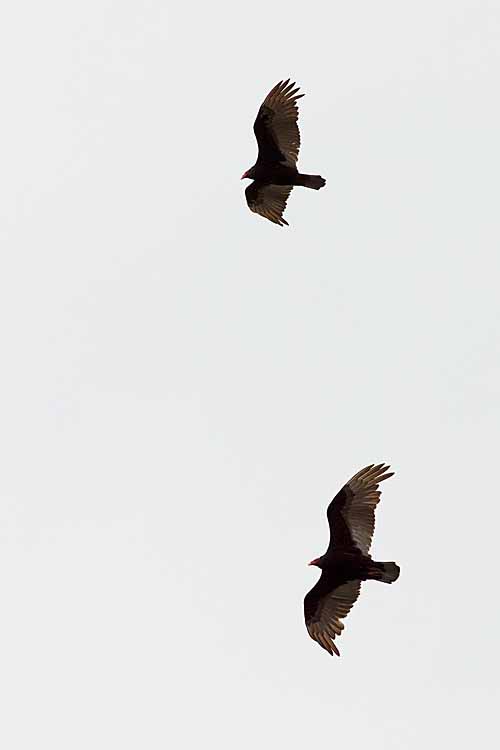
[184, 385]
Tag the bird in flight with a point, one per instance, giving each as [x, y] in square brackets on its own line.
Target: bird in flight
[275, 172]
[347, 561]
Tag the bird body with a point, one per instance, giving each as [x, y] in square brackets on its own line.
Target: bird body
[278, 138]
[282, 174]
[346, 565]
[347, 561]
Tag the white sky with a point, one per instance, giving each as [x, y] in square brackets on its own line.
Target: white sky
[184, 386]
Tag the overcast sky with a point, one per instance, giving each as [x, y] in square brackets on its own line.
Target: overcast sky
[184, 385]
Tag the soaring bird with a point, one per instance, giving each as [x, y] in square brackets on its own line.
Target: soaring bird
[278, 138]
[347, 562]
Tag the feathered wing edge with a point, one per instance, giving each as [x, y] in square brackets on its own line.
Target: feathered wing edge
[352, 511]
[324, 624]
[275, 126]
[268, 201]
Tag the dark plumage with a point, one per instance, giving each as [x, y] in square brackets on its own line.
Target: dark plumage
[347, 562]
[278, 138]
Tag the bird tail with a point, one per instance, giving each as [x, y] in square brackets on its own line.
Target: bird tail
[313, 181]
[387, 572]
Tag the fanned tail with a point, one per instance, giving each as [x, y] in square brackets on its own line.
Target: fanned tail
[387, 572]
[313, 181]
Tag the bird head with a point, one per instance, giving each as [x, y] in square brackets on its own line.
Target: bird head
[318, 562]
[248, 175]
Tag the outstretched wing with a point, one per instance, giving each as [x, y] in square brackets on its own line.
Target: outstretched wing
[276, 126]
[324, 607]
[351, 514]
[268, 200]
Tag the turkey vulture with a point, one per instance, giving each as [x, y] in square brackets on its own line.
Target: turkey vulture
[278, 138]
[347, 562]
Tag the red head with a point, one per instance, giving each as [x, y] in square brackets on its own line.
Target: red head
[249, 174]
